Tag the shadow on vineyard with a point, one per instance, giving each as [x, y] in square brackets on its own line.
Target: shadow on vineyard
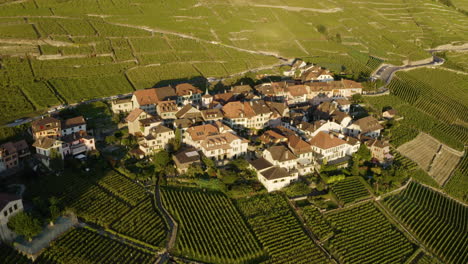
[105, 199]
[210, 227]
[198, 81]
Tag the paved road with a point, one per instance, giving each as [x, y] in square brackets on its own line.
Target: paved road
[56, 109]
[386, 72]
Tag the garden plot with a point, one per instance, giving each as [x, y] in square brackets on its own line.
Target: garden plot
[435, 158]
[444, 163]
[422, 150]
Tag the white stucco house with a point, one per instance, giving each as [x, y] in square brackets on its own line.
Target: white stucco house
[272, 177]
[9, 206]
[367, 126]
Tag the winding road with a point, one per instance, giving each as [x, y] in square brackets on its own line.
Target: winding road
[386, 72]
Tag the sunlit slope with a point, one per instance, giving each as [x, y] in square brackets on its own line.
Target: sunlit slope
[67, 51]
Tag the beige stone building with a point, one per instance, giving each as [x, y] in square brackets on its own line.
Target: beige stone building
[157, 139]
[46, 127]
[122, 105]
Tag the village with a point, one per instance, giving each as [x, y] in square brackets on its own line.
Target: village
[308, 137]
[284, 130]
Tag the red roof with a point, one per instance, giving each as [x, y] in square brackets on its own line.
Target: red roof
[186, 88]
[325, 141]
[146, 97]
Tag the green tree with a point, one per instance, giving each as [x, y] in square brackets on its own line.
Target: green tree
[322, 29]
[209, 163]
[357, 98]
[194, 171]
[355, 166]
[25, 225]
[364, 153]
[338, 38]
[54, 208]
[297, 189]
[161, 160]
[111, 139]
[242, 169]
[177, 142]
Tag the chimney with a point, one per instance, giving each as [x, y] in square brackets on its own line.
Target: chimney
[331, 135]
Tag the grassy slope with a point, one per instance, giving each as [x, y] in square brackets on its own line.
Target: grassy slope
[108, 54]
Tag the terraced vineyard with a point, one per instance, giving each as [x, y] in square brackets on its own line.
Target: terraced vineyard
[403, 161]
[108, 199]
[437, 221]
[150, 42]
[457, 185]
[441, 96]
[422, 150]
[316, 222]
[422, 258]
[350, 190]
[143, 223]
[84, 246]
[10, 255]
[95, 205]
[443, 164]
[436, 159]
[364, 235]
[279, 231]
[123, 188]
[210, 227]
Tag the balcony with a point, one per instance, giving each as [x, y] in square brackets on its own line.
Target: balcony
[78, 148]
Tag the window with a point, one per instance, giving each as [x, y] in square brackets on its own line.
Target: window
[15, 206]
[10, 209]
[5, 213]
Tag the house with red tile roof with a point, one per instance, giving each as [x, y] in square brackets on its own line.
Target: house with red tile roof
[148, 99]
[167, 109]
[297, 94]
[8, 156]
[145, 99]
[380, 150]
[316, 74]
[274, 90]
[194, 135]
[188, 94]
[133, 120]
[224, 147]
[46, 127]
[272, 137]
[252, 114]
[281, 156]
[330, 147]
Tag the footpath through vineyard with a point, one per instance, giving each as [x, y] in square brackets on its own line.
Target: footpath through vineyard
[172, 234]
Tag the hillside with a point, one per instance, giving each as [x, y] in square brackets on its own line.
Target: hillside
[68, 51]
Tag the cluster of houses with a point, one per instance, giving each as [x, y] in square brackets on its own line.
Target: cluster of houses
[62, 137]
[299, 125]
[294, 126]
[11, 153]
